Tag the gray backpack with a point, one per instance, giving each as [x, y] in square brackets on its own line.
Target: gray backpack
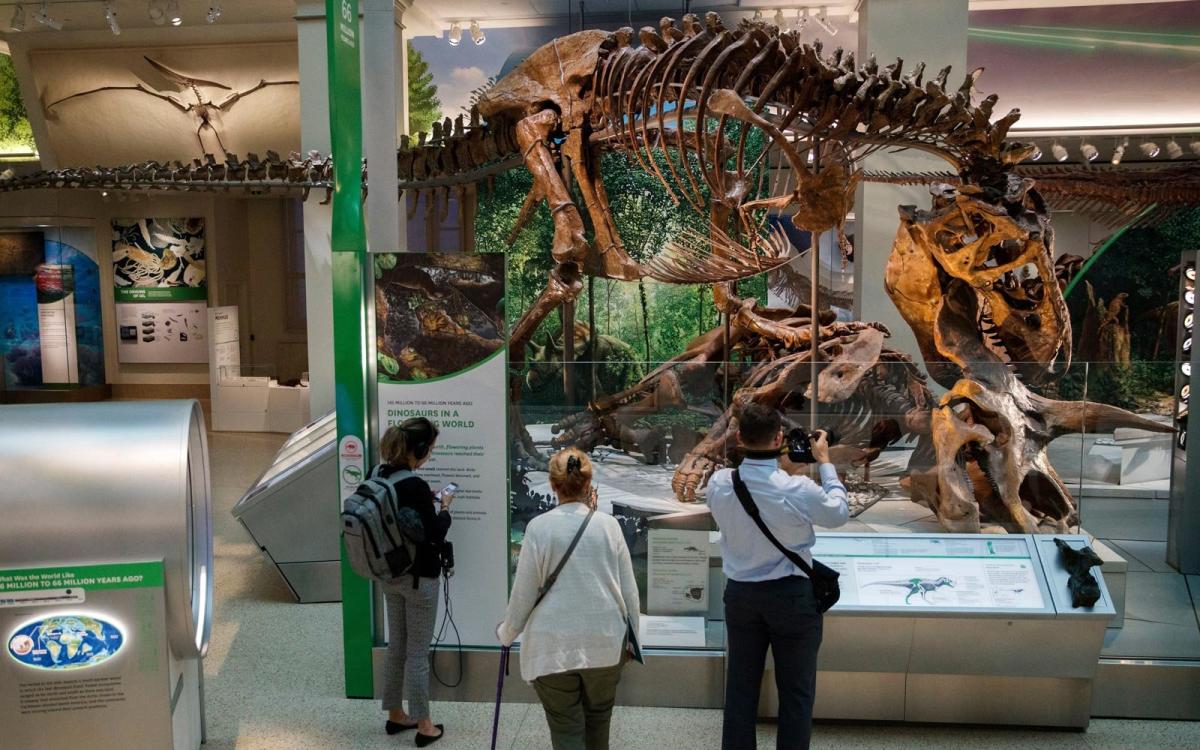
[381, 537]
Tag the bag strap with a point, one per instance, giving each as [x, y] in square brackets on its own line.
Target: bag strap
[743, 494]
[545, 588]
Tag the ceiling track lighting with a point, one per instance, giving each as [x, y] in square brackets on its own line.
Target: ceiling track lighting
[1119, 152]
[758, 15]
[822, 20]
[110, 15]
[1150, 149]
[173, 14]
[1059, 151]
[853, 18]
[157, 11]
[801, 20]
[1090, 152]
[779, 20]
[1036, 153]
[455, 36]
[214, 11]
[1195, 147]
[18, 18]
[43, 17]
[1174, 150]
[477, 35]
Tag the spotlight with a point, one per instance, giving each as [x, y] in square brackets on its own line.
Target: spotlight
[1119, 152]
[18, 19]
[1059, 151]
[1089, 151]
[779, 20]
[1036, 154]
[1195, 147]
[214, 11]
[477, 34]
[455, 37]
[110, 15]
[758, 15]
[1174, 150]
[801, 21]
[823, 21]
[173, 14]
[156, 10]
[42, 16]
[1150, 149]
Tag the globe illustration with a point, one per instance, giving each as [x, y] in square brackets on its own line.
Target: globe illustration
[65, 642]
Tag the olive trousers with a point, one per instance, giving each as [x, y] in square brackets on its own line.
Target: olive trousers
[578, 706]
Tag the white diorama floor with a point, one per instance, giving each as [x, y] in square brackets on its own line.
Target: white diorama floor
[273, 676]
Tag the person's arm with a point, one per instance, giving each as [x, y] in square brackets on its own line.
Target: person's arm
[629, 589]
[524, 593]
[417, 494]
[828, 506]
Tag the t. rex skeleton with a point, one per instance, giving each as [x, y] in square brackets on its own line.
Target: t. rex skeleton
[967, 276]
[204, 108]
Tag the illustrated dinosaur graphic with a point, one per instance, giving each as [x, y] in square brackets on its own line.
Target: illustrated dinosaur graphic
[204, 108]
[918, 586]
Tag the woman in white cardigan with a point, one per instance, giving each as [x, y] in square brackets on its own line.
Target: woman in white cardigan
[573, 645]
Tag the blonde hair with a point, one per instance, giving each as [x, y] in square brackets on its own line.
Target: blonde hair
[570, 473]
[412, 438]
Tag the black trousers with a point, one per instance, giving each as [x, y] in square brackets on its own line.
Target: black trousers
[781, 614]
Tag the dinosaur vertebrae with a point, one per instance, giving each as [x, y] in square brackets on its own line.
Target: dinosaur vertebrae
[649, 95]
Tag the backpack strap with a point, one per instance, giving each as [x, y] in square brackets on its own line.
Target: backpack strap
[747, 501]
[545, 588]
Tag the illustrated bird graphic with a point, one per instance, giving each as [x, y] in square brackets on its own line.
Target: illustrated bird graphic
[915, 586]
[204, 108]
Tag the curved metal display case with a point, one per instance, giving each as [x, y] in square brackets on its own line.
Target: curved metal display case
[114, 481]
[292, 521]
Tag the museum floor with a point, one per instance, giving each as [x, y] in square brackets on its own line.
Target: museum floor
[274, 672]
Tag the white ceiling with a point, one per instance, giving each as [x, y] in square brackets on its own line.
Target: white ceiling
[83, 16]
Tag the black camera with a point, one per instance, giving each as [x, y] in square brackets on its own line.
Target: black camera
[799, 445]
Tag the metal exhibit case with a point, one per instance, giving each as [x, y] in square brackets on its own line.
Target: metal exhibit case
[292, 522]
[108, 485]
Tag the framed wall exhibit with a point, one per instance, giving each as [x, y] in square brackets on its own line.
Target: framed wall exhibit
[160, 286]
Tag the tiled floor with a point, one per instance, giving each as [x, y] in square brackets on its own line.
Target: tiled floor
[274, 672]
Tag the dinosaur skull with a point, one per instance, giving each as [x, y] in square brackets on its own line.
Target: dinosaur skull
[1001, 251]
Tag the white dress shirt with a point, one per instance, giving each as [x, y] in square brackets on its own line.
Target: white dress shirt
[581, 622]
[790, 506]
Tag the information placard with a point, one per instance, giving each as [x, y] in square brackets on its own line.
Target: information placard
[83, 657]
[677, 572]
[973, 573]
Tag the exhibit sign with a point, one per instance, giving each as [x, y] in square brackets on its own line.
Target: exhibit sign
[159, 260]
[677, 573]
[55, 286]
[162, 332]
[348, 243]
[960, 573]
[441, 355]
[84, 657]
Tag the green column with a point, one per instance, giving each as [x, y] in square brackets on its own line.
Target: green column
[349, 316]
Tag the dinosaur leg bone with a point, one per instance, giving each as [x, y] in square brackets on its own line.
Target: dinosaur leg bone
[532, 132]
[607, 258]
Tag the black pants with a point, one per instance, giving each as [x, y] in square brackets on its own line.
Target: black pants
[781, 614]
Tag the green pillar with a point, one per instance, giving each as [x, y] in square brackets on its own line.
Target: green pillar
[350, 343]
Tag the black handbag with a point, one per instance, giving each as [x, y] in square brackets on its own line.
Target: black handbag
[824, 578]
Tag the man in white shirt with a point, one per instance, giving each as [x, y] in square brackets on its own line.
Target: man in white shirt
[769, 601]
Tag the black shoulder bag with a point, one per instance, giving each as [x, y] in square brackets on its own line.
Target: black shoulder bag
[824, 578]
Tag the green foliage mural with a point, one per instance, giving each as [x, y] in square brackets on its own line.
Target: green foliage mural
[15, 132]
[424, 107]
[654, 321]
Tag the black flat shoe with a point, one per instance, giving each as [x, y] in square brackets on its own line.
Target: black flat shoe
[394, 727]
[424, 740]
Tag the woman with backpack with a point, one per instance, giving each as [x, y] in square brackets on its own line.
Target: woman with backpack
[412, 601]
[576, 601]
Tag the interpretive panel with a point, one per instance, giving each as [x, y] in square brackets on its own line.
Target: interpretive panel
[942, 572]
[159, 260]
[83, 657]
[158, 332]
[677, 573]
[441, 356]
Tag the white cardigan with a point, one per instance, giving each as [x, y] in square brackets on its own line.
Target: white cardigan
[581, 622]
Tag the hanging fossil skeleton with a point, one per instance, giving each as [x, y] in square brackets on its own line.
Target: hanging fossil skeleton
[204, 109]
